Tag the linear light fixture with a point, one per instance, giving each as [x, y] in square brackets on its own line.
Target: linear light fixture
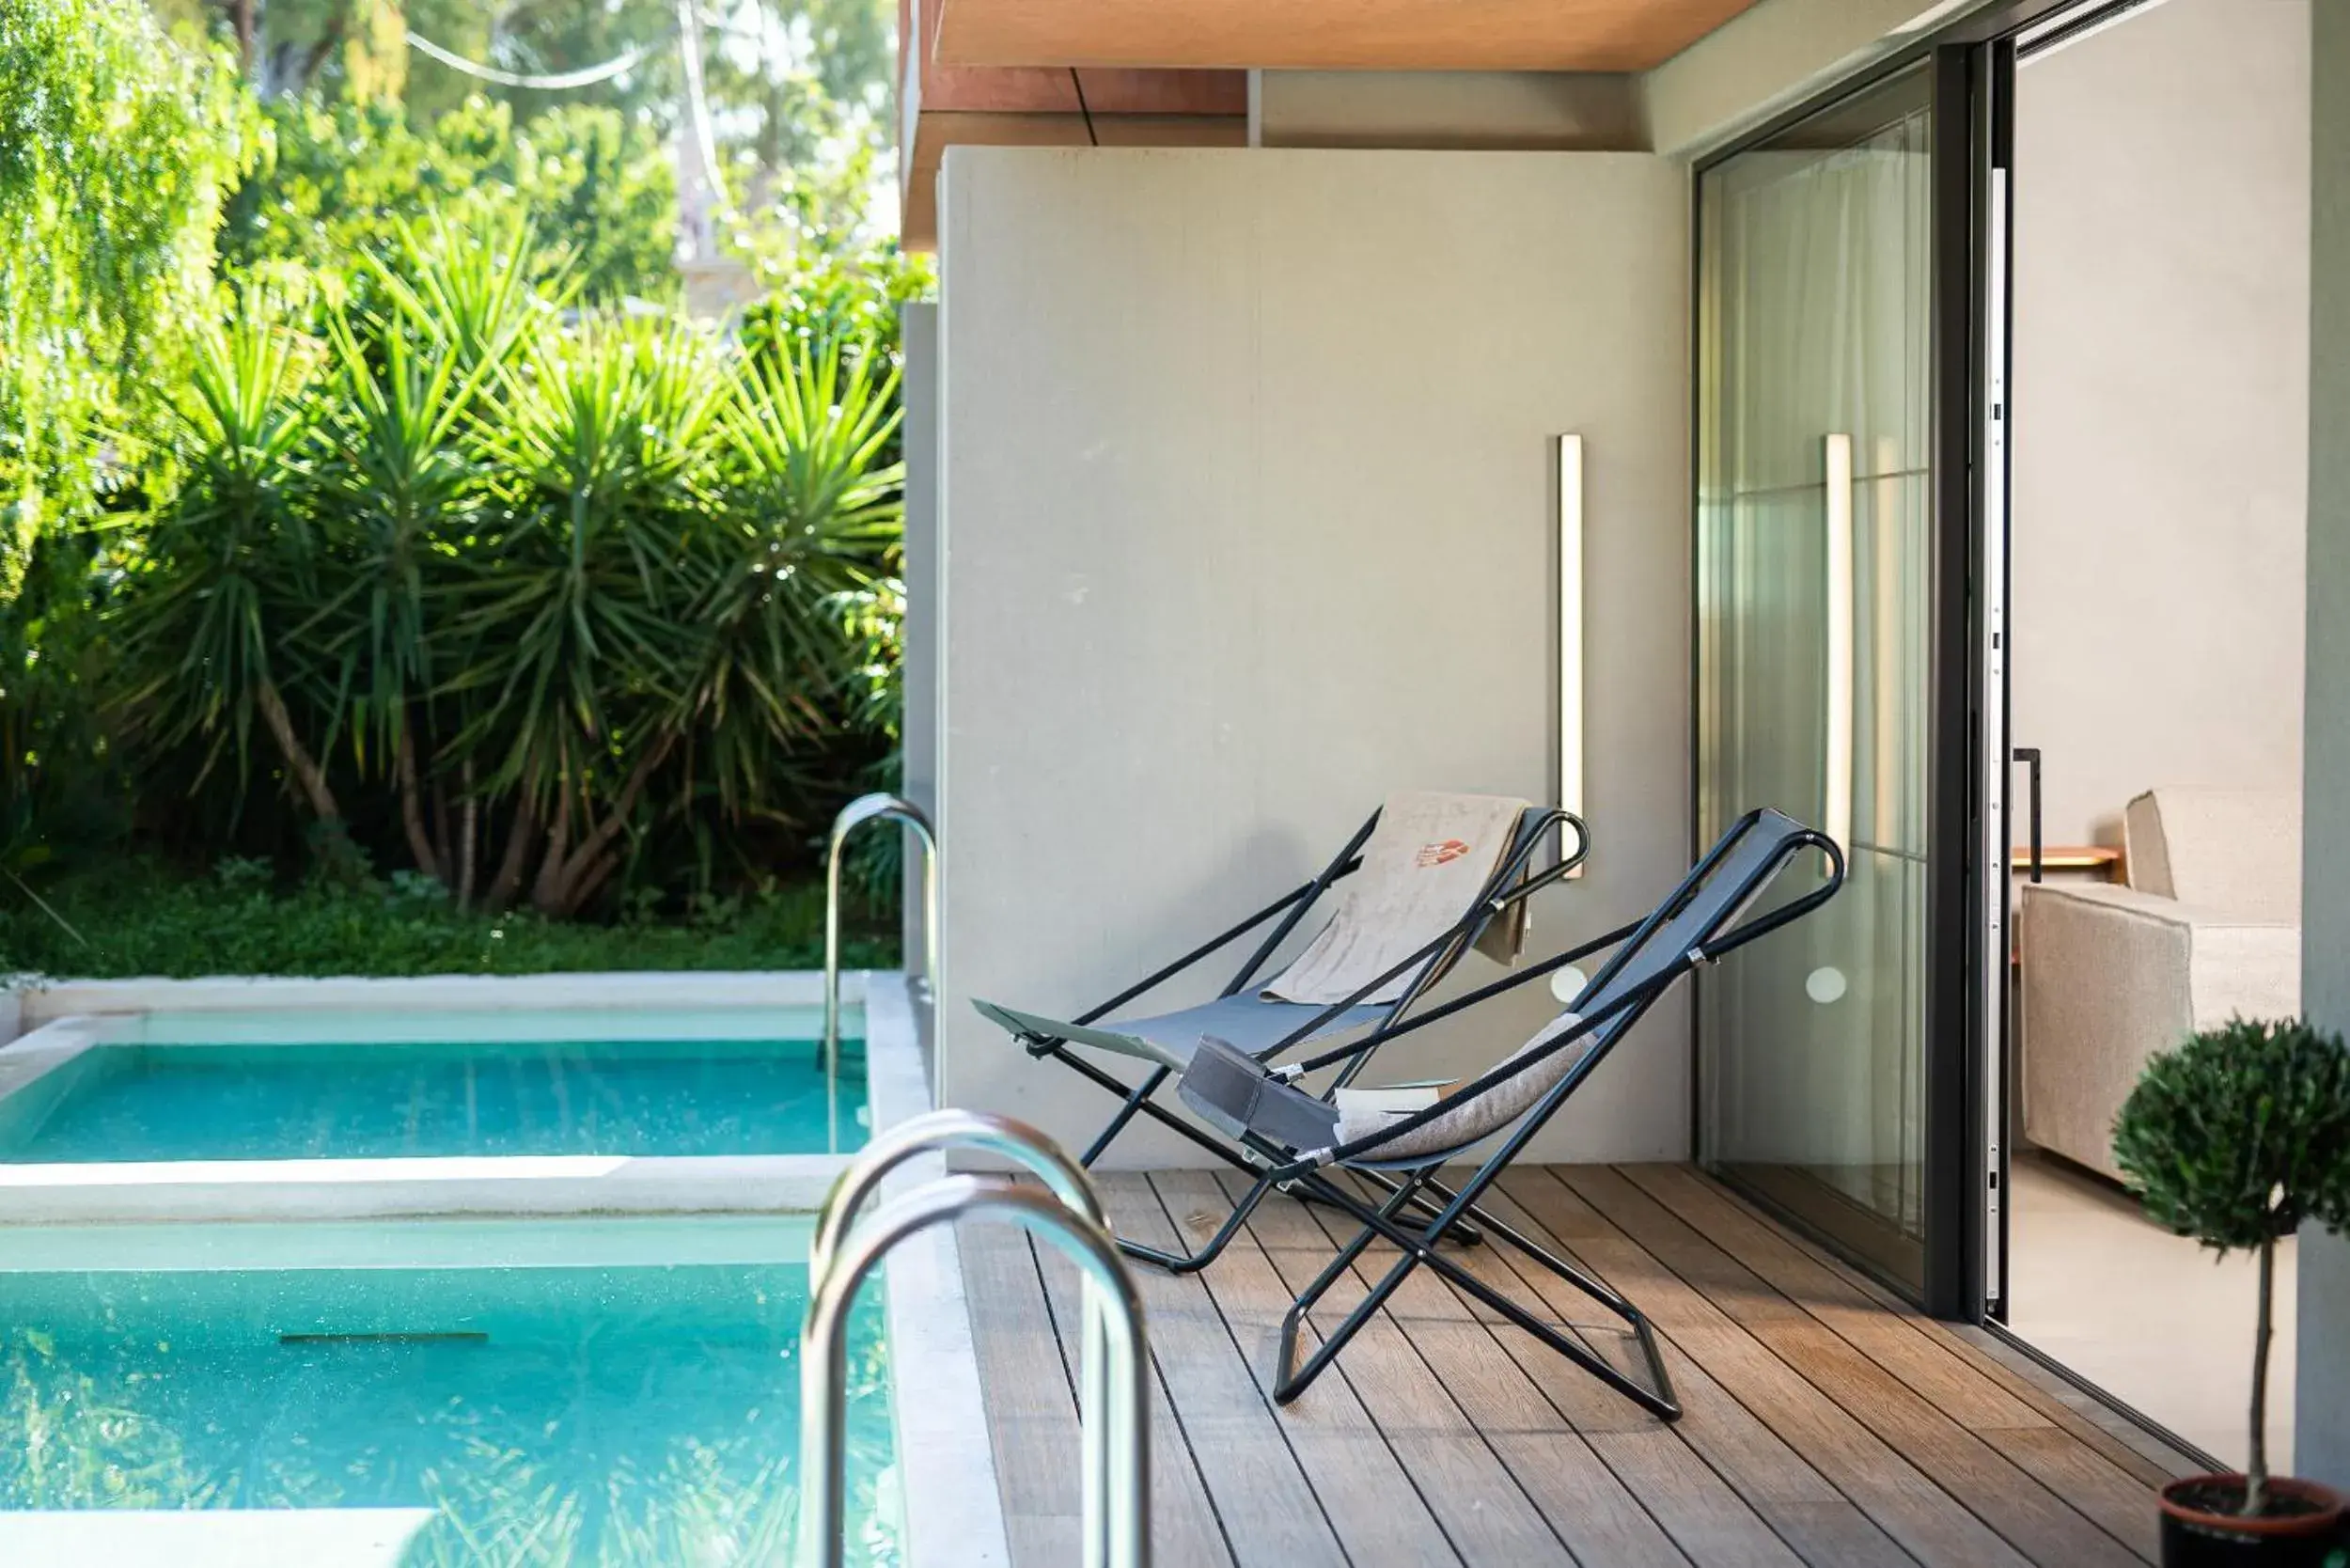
[1837, 763]
[1571, 629]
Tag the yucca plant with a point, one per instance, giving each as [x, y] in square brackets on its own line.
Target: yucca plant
[398, 494]
[475, 295]
[810, 534]
[232, 557]
[579, 620]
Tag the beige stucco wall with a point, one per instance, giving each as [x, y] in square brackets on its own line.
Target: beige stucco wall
[2321, 1411]
[1247, 519]
[2161, 394]
[1490, 110]
[1770, 58]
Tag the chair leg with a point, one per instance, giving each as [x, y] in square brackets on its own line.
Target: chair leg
[1656, 1398]
[1461, 1229]
[1419, 1248]
[1290, 1379]
[1191, 1262]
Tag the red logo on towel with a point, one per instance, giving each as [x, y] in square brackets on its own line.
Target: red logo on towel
[1438, 854]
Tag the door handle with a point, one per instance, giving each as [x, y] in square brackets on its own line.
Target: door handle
[2030, 757]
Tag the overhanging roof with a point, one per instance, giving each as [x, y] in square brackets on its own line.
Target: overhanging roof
[1360, 35]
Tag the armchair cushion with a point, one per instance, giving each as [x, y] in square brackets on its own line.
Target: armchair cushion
[2235, 850]
[2112, 975]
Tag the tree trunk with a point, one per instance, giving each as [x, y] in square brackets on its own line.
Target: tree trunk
[568, 881]
[306, 772]
[443, 850]
[546, 893]
[2256, 1471]
[241, 16]
[468, 835]
[521, 835]
[412, 807]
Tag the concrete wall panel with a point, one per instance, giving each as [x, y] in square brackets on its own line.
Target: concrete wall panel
[1247, 519]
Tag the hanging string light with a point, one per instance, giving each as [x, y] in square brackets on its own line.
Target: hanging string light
[587, 76]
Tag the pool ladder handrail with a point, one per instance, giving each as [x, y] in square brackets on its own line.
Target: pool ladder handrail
[1115, 1364]
[878, 807]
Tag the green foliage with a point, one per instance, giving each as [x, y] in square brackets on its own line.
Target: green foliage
[405, 544]
[2241, 1134]
[539, 607]
[117, 145]
[231, 557]
[140, 917]
[344, 180]
[2237, 1138]
[818, 291]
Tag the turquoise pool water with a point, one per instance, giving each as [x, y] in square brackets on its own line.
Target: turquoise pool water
[550, 1416]
[360, 1100]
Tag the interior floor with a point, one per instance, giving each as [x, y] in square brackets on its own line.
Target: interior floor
[2150, 1318]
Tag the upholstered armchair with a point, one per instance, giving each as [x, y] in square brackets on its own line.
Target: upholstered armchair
[2208, 927]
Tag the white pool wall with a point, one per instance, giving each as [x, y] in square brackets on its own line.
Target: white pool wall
[66, 1016]
[954, 1508]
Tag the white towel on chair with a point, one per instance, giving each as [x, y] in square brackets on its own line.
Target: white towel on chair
[1422, 870]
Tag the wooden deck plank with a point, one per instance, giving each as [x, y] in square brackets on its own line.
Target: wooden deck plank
[1826, 1528]
[1031, 1413]
[2035, 1520]
[1370, 1500]
[1269, 1512]
[2138, 1453]
[1594, 1513]
[1807, 1288]
[1676, 1470]
[1185, 1529]
[1929, 1523]
[1826, 1424]
[2074, 1468]
[1486, 1513]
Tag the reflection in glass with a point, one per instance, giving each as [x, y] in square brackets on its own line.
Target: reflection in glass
[1813, 505]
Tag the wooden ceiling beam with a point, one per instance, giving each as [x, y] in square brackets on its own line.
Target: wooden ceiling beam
[1327, 34]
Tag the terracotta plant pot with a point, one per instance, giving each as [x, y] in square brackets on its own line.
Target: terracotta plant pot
[2194, 1536]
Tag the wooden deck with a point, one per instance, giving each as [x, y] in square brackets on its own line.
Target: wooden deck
[1825, 1424]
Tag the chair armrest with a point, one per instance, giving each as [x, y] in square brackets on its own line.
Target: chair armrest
[2112, 975]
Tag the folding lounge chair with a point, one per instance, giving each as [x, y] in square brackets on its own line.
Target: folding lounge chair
[1699, 924]
[1264, 1028]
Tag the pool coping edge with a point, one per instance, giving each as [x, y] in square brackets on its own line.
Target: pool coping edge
[954, 1510]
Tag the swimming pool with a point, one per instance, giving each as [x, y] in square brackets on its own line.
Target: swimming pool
[636, 1405]
[387, 1099]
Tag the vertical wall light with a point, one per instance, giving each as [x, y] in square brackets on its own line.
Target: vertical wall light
[1571, 626]
[1837, 764]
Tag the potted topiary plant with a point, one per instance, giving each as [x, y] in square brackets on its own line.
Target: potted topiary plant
[2234, 1138]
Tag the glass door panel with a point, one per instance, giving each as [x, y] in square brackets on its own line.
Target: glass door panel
[1814, 508]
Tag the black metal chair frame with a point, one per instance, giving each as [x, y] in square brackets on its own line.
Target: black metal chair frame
[1509, 885]
[1308, 1174]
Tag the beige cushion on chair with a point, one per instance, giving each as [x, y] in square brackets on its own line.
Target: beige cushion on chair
[2232, 852]
[1483, 1116]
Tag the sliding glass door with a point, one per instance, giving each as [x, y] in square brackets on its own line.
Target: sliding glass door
[1814, 512]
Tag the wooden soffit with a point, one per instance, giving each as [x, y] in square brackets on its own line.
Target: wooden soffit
[949, 105]
[1328, 35]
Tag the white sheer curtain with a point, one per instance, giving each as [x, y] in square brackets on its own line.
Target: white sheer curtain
[1815, 322]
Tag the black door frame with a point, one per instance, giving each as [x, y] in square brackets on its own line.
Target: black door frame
[1972, 66]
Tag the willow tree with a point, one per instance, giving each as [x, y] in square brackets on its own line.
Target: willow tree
[117, 143]
[118, 146]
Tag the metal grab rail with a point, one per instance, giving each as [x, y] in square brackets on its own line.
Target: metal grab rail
[1015, 1140]
[873, 808]
[1116, 1430]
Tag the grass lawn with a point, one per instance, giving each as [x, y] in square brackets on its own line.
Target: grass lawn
[136, 917]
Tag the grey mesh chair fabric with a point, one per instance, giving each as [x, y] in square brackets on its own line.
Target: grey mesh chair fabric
[1268, 1029]
[1706, 916]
